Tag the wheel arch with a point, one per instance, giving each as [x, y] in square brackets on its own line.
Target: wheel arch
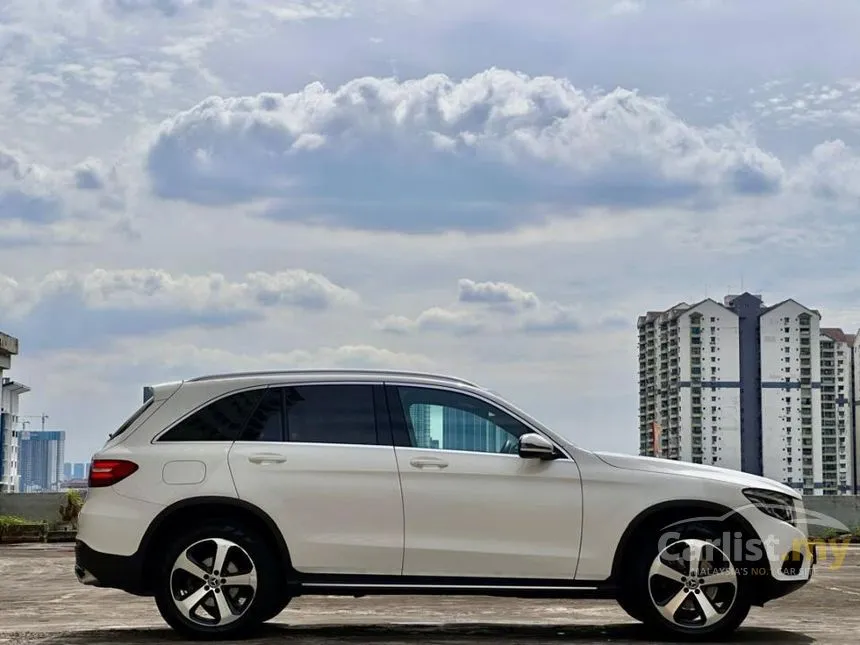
[188, 511]
[672, 511]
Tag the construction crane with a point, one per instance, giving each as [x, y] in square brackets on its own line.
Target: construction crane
[44, 417]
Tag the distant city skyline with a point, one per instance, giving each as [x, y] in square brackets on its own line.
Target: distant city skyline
[76, 470]
[42, 455]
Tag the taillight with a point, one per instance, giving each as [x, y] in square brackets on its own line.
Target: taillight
[107, 472]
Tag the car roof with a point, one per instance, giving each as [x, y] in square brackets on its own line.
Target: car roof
[328, 374]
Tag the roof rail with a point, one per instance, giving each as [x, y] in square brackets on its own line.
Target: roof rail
[289, 372]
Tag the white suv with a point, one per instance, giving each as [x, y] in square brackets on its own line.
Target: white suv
[226, 496]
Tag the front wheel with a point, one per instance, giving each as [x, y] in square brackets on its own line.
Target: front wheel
[691, 589]
[276, 609]
[216, 582]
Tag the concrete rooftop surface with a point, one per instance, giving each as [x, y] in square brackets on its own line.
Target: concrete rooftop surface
[42, 602]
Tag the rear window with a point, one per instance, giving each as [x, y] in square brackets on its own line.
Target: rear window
[134, 417]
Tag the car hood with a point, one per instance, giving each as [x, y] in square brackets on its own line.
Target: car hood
[700, 471]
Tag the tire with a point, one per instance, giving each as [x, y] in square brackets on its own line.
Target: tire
[276, 609]
[632, 608]
[673, 604]
[187, 567]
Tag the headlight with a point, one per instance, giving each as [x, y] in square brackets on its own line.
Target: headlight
[777, 505]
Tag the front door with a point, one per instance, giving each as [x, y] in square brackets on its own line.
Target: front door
[312, 458]
[472, 506]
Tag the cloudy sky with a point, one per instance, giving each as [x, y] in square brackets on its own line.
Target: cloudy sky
[493, 189]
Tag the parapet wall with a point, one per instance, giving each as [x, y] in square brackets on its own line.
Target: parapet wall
[845, 508]
[36, 507]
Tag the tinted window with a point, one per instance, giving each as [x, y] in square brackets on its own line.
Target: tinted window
[221, 420]
[267, 421]
[331, 414]
[453, 421]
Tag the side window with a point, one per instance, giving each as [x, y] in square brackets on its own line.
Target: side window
[454, 421]
[221, 420]
[331, 414]
[267, 421]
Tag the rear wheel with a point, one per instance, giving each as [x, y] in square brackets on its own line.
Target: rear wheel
[217, 582]
[690, 588]
[633, 608]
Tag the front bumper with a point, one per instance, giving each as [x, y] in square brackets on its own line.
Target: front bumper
[97, 569]
[797, 565]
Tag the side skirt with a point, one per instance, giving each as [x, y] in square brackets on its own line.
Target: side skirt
[363, 585]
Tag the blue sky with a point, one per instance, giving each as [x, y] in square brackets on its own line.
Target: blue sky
[492, 189]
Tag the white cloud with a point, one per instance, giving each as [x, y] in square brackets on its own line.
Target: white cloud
[553, 318]
[131, 289]
[498, 294]
[95, 71]
[503, 307]
[378, 153]
[436, 319]
[32, 193]
[100, 305]
[831, 172]
[188, 360]
[831, 104]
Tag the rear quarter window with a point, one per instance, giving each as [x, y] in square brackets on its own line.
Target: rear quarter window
[130, 421]
[221, 420]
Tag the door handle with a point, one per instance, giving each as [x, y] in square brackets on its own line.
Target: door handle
[266, 458]
[421, 462]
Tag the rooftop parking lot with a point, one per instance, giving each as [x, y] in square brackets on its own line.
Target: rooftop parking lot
[41, 602]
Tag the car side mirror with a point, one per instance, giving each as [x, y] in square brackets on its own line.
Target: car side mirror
[535, 446]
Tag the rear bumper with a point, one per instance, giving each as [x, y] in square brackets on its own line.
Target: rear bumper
[98, 569]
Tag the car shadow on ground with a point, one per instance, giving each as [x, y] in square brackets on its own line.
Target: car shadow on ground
[453, 634]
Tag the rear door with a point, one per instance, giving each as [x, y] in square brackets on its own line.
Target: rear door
[319, 462]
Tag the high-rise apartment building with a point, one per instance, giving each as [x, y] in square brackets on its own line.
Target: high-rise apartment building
[42, 457]
[790, 387]
[856, 396]
[755, 388]
[10, 451]
[689, 384]
[837, 411]
[9, 392]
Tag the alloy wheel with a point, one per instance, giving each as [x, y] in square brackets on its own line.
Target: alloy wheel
[213, 582]
[693, 584]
